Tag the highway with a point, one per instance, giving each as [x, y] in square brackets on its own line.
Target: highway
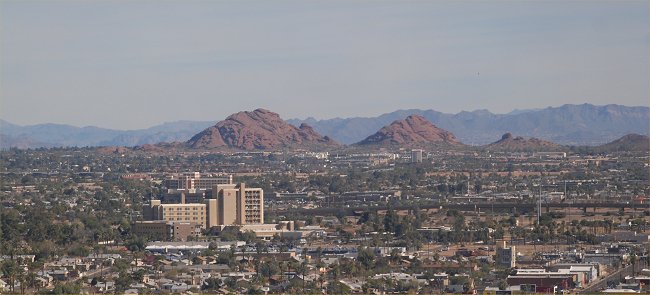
[483, 207]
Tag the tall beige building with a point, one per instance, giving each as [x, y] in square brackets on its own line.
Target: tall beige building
[238, 205]
[231, 204]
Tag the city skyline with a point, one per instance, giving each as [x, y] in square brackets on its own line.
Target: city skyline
[202, 61]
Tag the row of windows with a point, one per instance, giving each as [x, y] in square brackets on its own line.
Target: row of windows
[181, 219]
[151, 228]
[186, 213]
[186, 209]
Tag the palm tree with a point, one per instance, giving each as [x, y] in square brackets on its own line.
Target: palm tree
[31, 280]
[31, 276]
[321, 280]
[302, 268]
[292, 265]
[157, 265]
[20, 277]
[394, 256]
[633, 259]
[11, 270]
[283, 269]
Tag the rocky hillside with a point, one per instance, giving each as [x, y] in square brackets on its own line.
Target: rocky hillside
[519, 144]
[628, 143]
[413, 131]
[258, 130]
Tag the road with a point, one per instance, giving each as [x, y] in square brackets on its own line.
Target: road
[620, 274]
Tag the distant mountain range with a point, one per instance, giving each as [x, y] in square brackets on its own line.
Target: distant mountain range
[584, 124]
[58, 135]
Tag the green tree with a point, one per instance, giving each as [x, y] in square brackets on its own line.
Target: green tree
[67, 288]
[366, 257]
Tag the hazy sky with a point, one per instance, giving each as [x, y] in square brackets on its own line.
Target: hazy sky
[134, 64]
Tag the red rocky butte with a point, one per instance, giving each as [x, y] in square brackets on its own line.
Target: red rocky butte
[508, 142]
[258, 130]
[414, 130]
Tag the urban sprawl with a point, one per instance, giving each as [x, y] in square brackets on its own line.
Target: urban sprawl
[410, 221]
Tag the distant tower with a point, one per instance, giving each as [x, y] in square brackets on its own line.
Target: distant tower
[506, 256]
[416, 156]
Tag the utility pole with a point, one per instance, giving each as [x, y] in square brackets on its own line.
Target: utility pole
[566, 201]
[539, 204]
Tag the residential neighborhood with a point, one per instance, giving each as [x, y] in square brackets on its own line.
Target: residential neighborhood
[462, 222]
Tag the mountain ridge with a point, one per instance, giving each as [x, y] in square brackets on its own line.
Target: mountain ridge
[628, 142]
[583, 124]
[511, 143]
[62, 135]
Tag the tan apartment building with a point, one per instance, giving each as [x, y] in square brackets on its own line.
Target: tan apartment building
[193, 181]
[164, 231]
[239, 205]
[203, 214]
[231, 204]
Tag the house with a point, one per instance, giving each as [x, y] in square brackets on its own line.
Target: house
[44, 281]
[455, 267]
[439, 280]
[59, 274]
[66, 262]
[604, 258]
[97, 260]
[642, 281]
[104, 287]
[543, 282]
[388, 251]
[398, 276]
[624, 236]
[205, 268]
[355, 285]
[510, 290]
[590, 271]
